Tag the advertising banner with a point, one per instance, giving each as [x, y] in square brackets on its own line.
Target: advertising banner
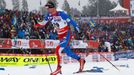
[51, 43]
[22, 60]
[20, 43]
[36, 59]
[93, 44]
[96, 57]
[132, 8]
[5, 44]
[124, 54]
[48, 44]
[33, 44]
[78, 44]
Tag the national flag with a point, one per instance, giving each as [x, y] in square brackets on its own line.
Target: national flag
[91, 23]
[14, 20]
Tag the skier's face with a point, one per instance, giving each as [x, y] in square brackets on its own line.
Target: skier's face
[51, 10]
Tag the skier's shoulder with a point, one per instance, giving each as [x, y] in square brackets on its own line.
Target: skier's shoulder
[47, 16]
[63, 14]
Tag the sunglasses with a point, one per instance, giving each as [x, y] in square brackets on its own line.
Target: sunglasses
[49, 6]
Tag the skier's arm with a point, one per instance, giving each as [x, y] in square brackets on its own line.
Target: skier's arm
[70, 21]
[40, 24]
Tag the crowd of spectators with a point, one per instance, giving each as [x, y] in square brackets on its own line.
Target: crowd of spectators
[18, 24]
[121, 35]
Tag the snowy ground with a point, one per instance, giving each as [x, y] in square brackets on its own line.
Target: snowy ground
[126, 68]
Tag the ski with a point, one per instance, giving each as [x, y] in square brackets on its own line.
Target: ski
[79, 72]
[92, 70]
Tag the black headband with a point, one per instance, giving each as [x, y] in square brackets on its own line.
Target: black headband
[50, 4]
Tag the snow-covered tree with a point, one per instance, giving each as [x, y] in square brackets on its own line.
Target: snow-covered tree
[66, 7]
[2, 4]
[16, 4]
[24, 5]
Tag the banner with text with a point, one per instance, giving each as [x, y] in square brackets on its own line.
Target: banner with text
[38, 44]
[22, 60]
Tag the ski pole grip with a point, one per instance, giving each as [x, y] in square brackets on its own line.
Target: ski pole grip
[35, 21]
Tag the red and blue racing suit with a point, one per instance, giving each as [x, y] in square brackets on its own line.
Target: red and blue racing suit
[61, 22]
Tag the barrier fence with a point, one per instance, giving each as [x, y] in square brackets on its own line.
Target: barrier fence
[40, 59]
[48, 44]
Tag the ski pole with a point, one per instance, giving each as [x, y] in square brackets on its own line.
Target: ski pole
[45, 55]
[109, 61]
[41, 41]
[106, 60]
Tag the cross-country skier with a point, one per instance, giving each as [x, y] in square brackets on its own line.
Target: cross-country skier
[61, 22]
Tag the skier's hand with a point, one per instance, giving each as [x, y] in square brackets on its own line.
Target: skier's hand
[36, 27]
[35, 21]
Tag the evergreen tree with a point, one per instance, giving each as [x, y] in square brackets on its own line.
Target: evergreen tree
[2, 4]
[43, 11]
[98, 7]
[24, 5]
[15, 5]
[66, 7]
[75, 12]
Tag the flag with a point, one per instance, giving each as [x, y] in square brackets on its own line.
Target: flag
[14, 20]
[91, 23]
